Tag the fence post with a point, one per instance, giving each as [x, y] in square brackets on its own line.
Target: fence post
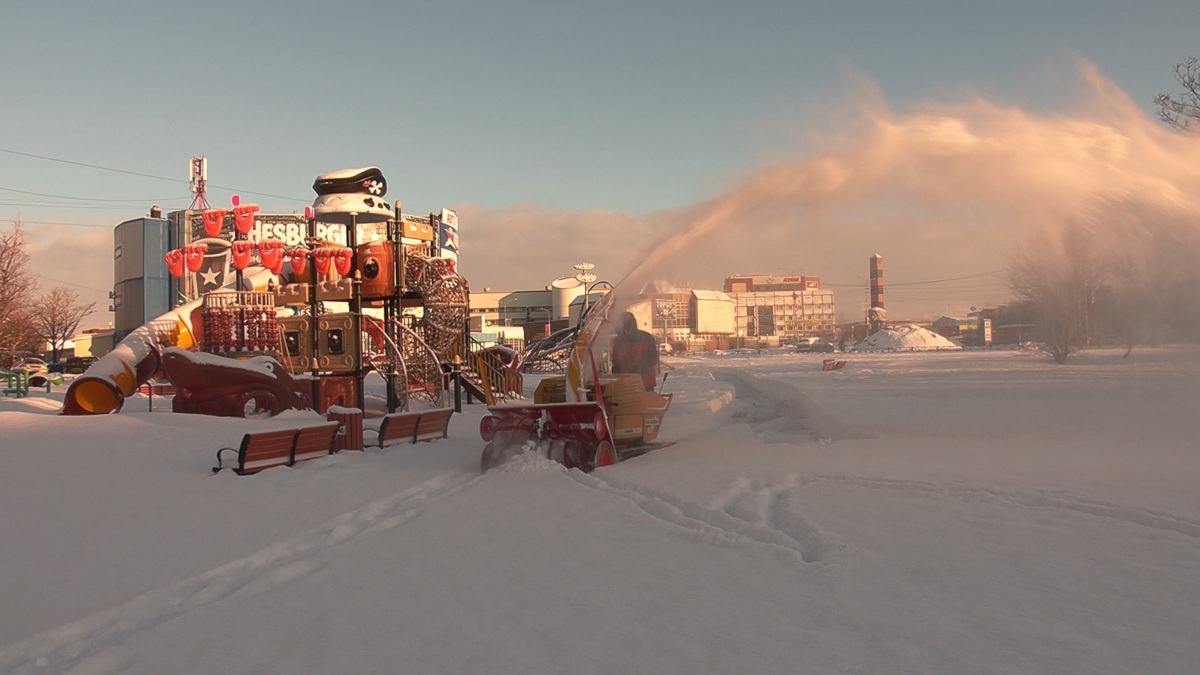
[457, 373]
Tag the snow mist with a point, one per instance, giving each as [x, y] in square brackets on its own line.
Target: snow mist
[946, 190]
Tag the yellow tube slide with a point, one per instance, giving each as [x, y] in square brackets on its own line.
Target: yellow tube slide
[118, 374]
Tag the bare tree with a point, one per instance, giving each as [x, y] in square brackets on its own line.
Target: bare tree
[1059, 280]
[1182, 110]
[58, 316]
[1149, 269]
[1154, 286]
[17, 287]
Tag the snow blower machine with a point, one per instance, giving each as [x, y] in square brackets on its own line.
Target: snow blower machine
[583, 419]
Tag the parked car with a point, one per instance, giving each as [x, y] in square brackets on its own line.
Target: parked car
[31, 365]
[77, 364]
[813, 345]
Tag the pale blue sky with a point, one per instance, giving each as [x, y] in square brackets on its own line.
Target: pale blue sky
[626, 106]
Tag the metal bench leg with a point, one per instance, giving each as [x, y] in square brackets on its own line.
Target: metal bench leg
[219, 466]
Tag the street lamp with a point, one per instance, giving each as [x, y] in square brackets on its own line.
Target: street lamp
[584, 276]
[549, 317]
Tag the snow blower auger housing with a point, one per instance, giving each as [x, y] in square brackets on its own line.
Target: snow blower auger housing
[580, 424]
[622, 421]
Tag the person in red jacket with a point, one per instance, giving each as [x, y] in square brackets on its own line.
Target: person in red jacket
[634, 351]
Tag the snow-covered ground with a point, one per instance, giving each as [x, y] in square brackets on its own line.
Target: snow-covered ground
[928, 512]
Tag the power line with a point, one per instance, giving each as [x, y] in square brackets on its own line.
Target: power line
[51, 222]
[70, 283]
[90, 166]
[86, 199]
[893, 284]
[142, 175]
[43, 205]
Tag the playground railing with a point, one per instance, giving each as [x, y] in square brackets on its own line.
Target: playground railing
[16, 382]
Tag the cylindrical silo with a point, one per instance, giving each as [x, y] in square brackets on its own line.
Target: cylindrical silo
[562, 292]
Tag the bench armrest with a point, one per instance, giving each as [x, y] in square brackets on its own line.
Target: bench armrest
[218, 467]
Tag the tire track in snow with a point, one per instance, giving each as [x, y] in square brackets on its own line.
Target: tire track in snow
[761, 500]
[57, 649]
[795, 537]
[1032, 498]
[769, 504]
[779, 412]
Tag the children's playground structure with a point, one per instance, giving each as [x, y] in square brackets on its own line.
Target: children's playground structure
[301, 325]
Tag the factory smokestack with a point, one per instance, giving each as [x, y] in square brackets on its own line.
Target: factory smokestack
[877, 281]
[876, 316]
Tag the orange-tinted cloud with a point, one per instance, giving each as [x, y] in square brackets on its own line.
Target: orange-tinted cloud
[78, 258]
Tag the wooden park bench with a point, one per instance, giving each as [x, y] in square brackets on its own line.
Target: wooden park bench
[414, 427]
[281, 447]
[152, 389]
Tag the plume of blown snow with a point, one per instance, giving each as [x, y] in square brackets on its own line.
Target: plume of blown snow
[948, 186]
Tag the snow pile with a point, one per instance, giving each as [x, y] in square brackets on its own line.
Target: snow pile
[904, 339]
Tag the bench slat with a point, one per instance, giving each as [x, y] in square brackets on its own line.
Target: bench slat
[264, 449]
[254, 466]
[433, 425]
[398, 427]
[314, 442]
[266, 443]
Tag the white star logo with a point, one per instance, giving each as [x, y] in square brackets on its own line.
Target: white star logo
[210, 276]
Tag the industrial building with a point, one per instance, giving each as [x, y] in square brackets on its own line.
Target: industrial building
[781, 308]
[673, 316]
[142, 288]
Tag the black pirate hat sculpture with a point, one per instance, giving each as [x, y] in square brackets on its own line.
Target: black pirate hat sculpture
[352, 192]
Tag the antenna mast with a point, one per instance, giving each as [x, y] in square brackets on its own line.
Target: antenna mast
[198, 178]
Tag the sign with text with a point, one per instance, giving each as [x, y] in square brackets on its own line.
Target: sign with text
[291, 229]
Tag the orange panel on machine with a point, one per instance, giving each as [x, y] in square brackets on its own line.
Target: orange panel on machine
[376, 263]
[336, 390]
